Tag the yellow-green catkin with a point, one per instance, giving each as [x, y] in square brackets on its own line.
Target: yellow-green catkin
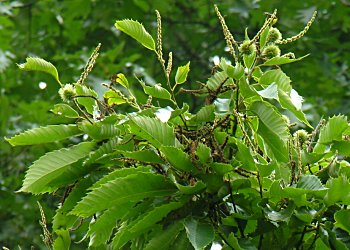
[301, 34]
[159, 38]
[89, 65]
[230, 41]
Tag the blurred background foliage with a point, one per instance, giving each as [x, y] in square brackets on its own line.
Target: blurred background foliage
[66, 32]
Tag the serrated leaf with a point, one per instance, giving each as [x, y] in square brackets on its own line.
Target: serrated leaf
[217, 80]
[342, 220]
[181, 73]
[113, 98]
[235, 72]
[100, 130]
[338, 191]
[101, 230]
[163, 239]
[153, 130]
[136, 31]
[154, 216]
[278, 77]
[87, 100]
[245, 156]
[49, 167]
[310, 182]
[46, 134]
[178, 158]
[119, 173]
[134, 187]
[105, 149]
[200, 234]
[65, 110]
[332, 131]
[205, 114]
[279, 60]
[272, 129]
[39, 64]
[203, 152]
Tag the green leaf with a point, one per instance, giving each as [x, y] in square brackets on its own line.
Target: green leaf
[263, 38]
[272, 128]
[249, 59]
[278, 77]
[100, 130]
[282, 215]
[310, 182]
[333, 131]
[199, 234]
[63, 240]
[101, 229]
[181, 73]
[217, 80]
[235, 72]
[205, 114]
[119, 173]
[204, 153]
[46, 134]
[245, 156]
[105, 149]
[87, 100]
[338, 191]
[163, 239]
[198, 187]
[181, 242]
[136, 31]
[148, 156]
[51, 165]
[157, 91]
[134, 187]
[271, 92]
[65, 110]
[114, 98]
[342, 220]
[279, 60]
[122, 80]
[152, 130]
[39, 64]
[155, 215]
[178, 158]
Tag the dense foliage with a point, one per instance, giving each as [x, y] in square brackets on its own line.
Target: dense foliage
[161, 173]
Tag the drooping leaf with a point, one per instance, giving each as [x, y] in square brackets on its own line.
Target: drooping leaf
[205, 114]
[178, 159]
[223, 106]
[271, 92]
[342, 220]
[39, 64]
[272, 129]
[155, 215]
[153, 130]
[49, 166]
[181, 242]
[133, 187]
[196, 188]
[87, 97]
[332, 131]
[181, 73]
[137, 31]
[282, 215]
[163, 239]
[200, 234]
[62, 240]
[279, 60]
[65, 110]
[235, 72]
[46, 134]
[244, 155]
[203, 152]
